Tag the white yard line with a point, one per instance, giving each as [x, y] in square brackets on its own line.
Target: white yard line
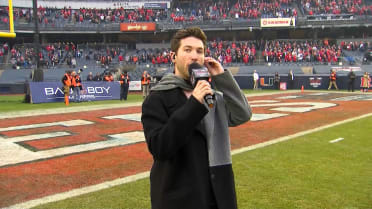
[27, 113]
[336, 140]
[128, 179]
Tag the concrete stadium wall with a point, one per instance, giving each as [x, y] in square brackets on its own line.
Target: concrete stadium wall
[313, 82]
[12, 88]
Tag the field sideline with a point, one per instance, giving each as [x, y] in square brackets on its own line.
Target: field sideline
[299, 173]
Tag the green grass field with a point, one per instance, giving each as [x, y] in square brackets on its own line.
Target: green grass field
[305, 172]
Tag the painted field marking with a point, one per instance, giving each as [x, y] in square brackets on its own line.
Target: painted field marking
[363, 97]
[263, 101]
[300, 106]
[318, 94]
[262, 116]
[289, 97]
[108, 184]
[34, 137]
[134, 117]
[336, 140]
[11, 153]
[66, 123]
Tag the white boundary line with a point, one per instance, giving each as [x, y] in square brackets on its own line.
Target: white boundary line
[336, 140]
[61, 110]
[80, 191]
[128, 179]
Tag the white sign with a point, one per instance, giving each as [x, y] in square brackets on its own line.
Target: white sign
[135, 86]
[278, 22]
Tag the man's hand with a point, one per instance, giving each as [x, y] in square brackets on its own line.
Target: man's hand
[214, 67]
[201, 89]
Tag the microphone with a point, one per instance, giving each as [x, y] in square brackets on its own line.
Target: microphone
[197, 73]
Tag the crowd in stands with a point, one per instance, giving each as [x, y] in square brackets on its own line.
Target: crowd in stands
[246, 9]
[227, 52]
[52, 16]
[361, 46]
[318, 7]
[310, 51]
[200, 10]
[52, 55]
[302, 51]
[72, 55]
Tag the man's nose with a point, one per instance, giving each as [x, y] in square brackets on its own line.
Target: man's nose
[194, 56]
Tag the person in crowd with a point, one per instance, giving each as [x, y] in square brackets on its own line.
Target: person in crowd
[189, 141]
[145, 83]
[332, 79]
[277, 80]
[90, 76]
[124, 85]
[67, 83]
[108, 77]
[97, 77]
[351, 76]
[256, 77]
[291, 79]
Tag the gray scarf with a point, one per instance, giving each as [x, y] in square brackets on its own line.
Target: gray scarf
[171, 81]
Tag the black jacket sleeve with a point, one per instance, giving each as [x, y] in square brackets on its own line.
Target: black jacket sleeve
[167, 131]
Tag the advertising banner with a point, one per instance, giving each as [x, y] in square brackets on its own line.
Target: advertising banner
[346, 69]
[283, 86]
[135, 86]
[44, 92]
[278, 22]
[315, 82]
[139, 26]
[163, 5]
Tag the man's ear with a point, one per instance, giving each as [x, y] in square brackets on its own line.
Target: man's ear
[173, 57]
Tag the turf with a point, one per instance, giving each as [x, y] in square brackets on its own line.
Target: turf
[305, 172]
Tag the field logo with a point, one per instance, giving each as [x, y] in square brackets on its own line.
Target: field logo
[283, 109]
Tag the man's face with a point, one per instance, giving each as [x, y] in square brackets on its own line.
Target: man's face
[191, 50]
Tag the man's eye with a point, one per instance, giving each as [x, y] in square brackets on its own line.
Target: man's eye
[187, 50]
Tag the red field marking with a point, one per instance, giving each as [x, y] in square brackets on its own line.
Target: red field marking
[85, 134]
[37, 179]
[33, 180]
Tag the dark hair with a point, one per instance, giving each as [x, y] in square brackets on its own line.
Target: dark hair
[184, 33]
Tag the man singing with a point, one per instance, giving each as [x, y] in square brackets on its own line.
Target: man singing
[188, 140]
